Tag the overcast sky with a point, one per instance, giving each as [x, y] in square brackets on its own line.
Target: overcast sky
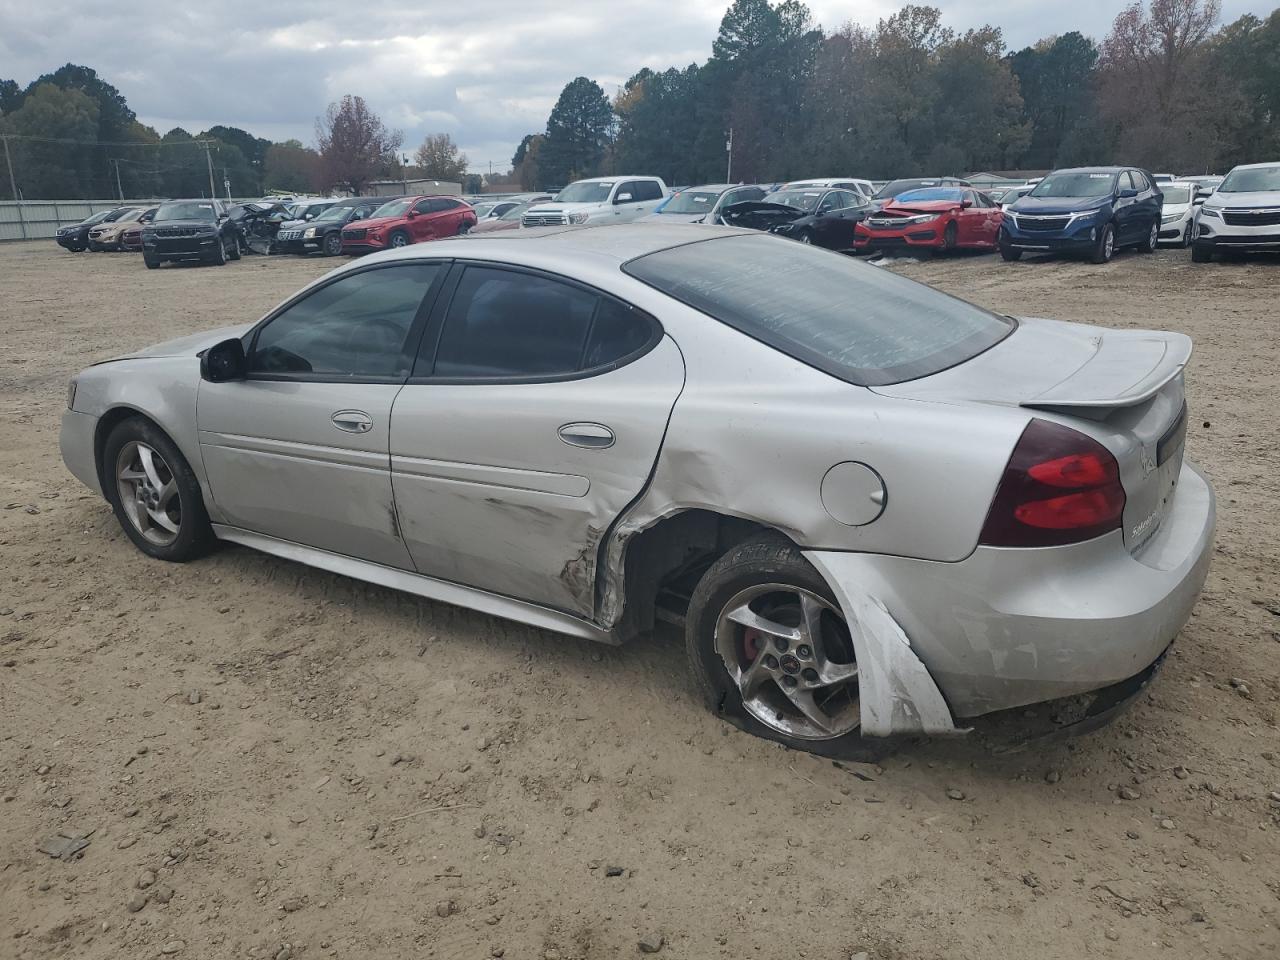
[486, 74]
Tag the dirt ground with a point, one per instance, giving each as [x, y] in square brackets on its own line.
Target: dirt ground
[276, 762]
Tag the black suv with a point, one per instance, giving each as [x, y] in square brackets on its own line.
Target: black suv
[324, 232]
[190, 230]
[76, 237]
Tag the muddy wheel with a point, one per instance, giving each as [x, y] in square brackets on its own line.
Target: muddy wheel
[154, 493]
[770, 651]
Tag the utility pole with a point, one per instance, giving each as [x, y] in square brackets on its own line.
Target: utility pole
[404, 172]
[226, 184]
[119, 189]
[13, 188]
[213, 193]
[728, 148]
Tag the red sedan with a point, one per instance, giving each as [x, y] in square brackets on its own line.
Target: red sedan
[935, 218]
[407, 220]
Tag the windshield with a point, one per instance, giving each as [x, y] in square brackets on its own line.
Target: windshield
[516, 212]
[860, 323]
[800, 199]
[692, 201]
[1077, 184]
[584, 192]
[186, 210]
[336, 213]
[931, 193]
[1256, 180]
[895, 187]
[394, 208]
[1176, 195]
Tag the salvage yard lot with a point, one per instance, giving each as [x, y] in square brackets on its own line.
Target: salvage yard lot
[315, 767]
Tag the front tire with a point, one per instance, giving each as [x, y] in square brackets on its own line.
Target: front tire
[1009, 252]
[235, 248]
[770, 651]
[332, 245]
[1105, 248]
[154, 493]
[399, 239]
[152, 263]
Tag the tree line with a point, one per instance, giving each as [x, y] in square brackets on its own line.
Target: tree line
[70, 134]
[1167, 88]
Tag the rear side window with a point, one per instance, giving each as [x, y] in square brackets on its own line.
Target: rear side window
[506, 324]
[857, 322]
[355, 327]
[647, 190]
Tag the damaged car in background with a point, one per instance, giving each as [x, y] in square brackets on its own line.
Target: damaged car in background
[821, 216]
[876, 509]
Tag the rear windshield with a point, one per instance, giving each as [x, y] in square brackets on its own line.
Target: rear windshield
[857, 322]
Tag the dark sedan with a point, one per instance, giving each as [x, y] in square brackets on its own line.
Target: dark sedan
[823, 217]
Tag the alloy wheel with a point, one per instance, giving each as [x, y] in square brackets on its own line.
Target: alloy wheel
[148, 493]
[1154, 239]
[789, 652]
[1109, 245]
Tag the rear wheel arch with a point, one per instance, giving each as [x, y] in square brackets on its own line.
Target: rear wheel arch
[662, 563]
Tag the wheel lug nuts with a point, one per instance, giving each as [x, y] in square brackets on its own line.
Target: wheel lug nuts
[771, 662]
[788, 681]
[810, 675]
[781, 644]
[804, 651]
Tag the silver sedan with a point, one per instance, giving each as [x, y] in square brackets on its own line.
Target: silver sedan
[876, 509]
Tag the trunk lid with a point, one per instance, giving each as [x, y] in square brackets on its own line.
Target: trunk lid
[1124, 388]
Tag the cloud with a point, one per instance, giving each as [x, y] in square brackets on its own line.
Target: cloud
[487, 76]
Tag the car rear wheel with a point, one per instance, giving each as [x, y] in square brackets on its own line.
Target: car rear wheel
[1105, 247]
[154, 493]
[1153, 238]
[463, 228]
[332, 245]
[770, 651]
[219, 256]
[399, 239]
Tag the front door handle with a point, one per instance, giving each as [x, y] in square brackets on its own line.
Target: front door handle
[352, 421]
[592, 436]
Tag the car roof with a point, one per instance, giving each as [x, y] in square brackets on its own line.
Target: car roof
[1257, 166]
[552, 247]
[1094, 169]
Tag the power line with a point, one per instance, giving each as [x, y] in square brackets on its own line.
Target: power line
[103, 143]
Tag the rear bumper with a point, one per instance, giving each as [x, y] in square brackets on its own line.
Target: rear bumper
[76, 443]
[1009, 627]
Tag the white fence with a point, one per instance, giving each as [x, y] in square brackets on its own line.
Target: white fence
[40, 219]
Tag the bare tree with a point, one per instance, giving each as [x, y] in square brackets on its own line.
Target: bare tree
[438, 158]
[354, 144]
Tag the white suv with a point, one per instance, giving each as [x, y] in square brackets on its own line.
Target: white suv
[599, 200]
[1242, 214]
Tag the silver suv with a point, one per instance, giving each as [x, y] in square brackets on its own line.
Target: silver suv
[1242, 214]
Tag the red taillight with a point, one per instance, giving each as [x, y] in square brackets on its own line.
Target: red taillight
[1059, 486]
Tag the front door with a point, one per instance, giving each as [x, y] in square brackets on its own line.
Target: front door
[299, 449]
[533, 417]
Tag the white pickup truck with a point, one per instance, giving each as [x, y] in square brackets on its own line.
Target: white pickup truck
[599, 200]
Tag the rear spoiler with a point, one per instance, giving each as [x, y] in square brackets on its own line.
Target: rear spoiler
[1128, 368]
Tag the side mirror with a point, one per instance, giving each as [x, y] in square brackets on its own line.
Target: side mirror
[412, 213]
[1128, 193]
[223, 361]
[622, 198]
[1198, 201]
[966, 204]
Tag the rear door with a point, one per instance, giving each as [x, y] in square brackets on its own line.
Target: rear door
[298, 450]
[534, 415]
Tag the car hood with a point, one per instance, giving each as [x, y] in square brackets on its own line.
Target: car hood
[492, 226]
[759, 215]
[187, 346]
[1169, 208]
[554, 207]
[673, 217]
[1047, 205]
[372, 222]
[1234, 201]
[294, 224]
[920, 206]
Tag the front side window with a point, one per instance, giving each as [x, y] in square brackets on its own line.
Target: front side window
[504, 324]
[862, 324]
[355, 327]
[630, 190]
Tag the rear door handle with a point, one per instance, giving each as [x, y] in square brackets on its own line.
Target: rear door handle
[352, 421]
[592, 436]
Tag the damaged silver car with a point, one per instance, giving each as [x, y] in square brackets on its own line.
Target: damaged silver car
[876, 509]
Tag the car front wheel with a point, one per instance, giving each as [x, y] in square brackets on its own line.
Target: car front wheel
[1153, 238]
[771, 652]
[1105, 247]
[154, 493]
[235, 248]
[332, 245]
[399, 239]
